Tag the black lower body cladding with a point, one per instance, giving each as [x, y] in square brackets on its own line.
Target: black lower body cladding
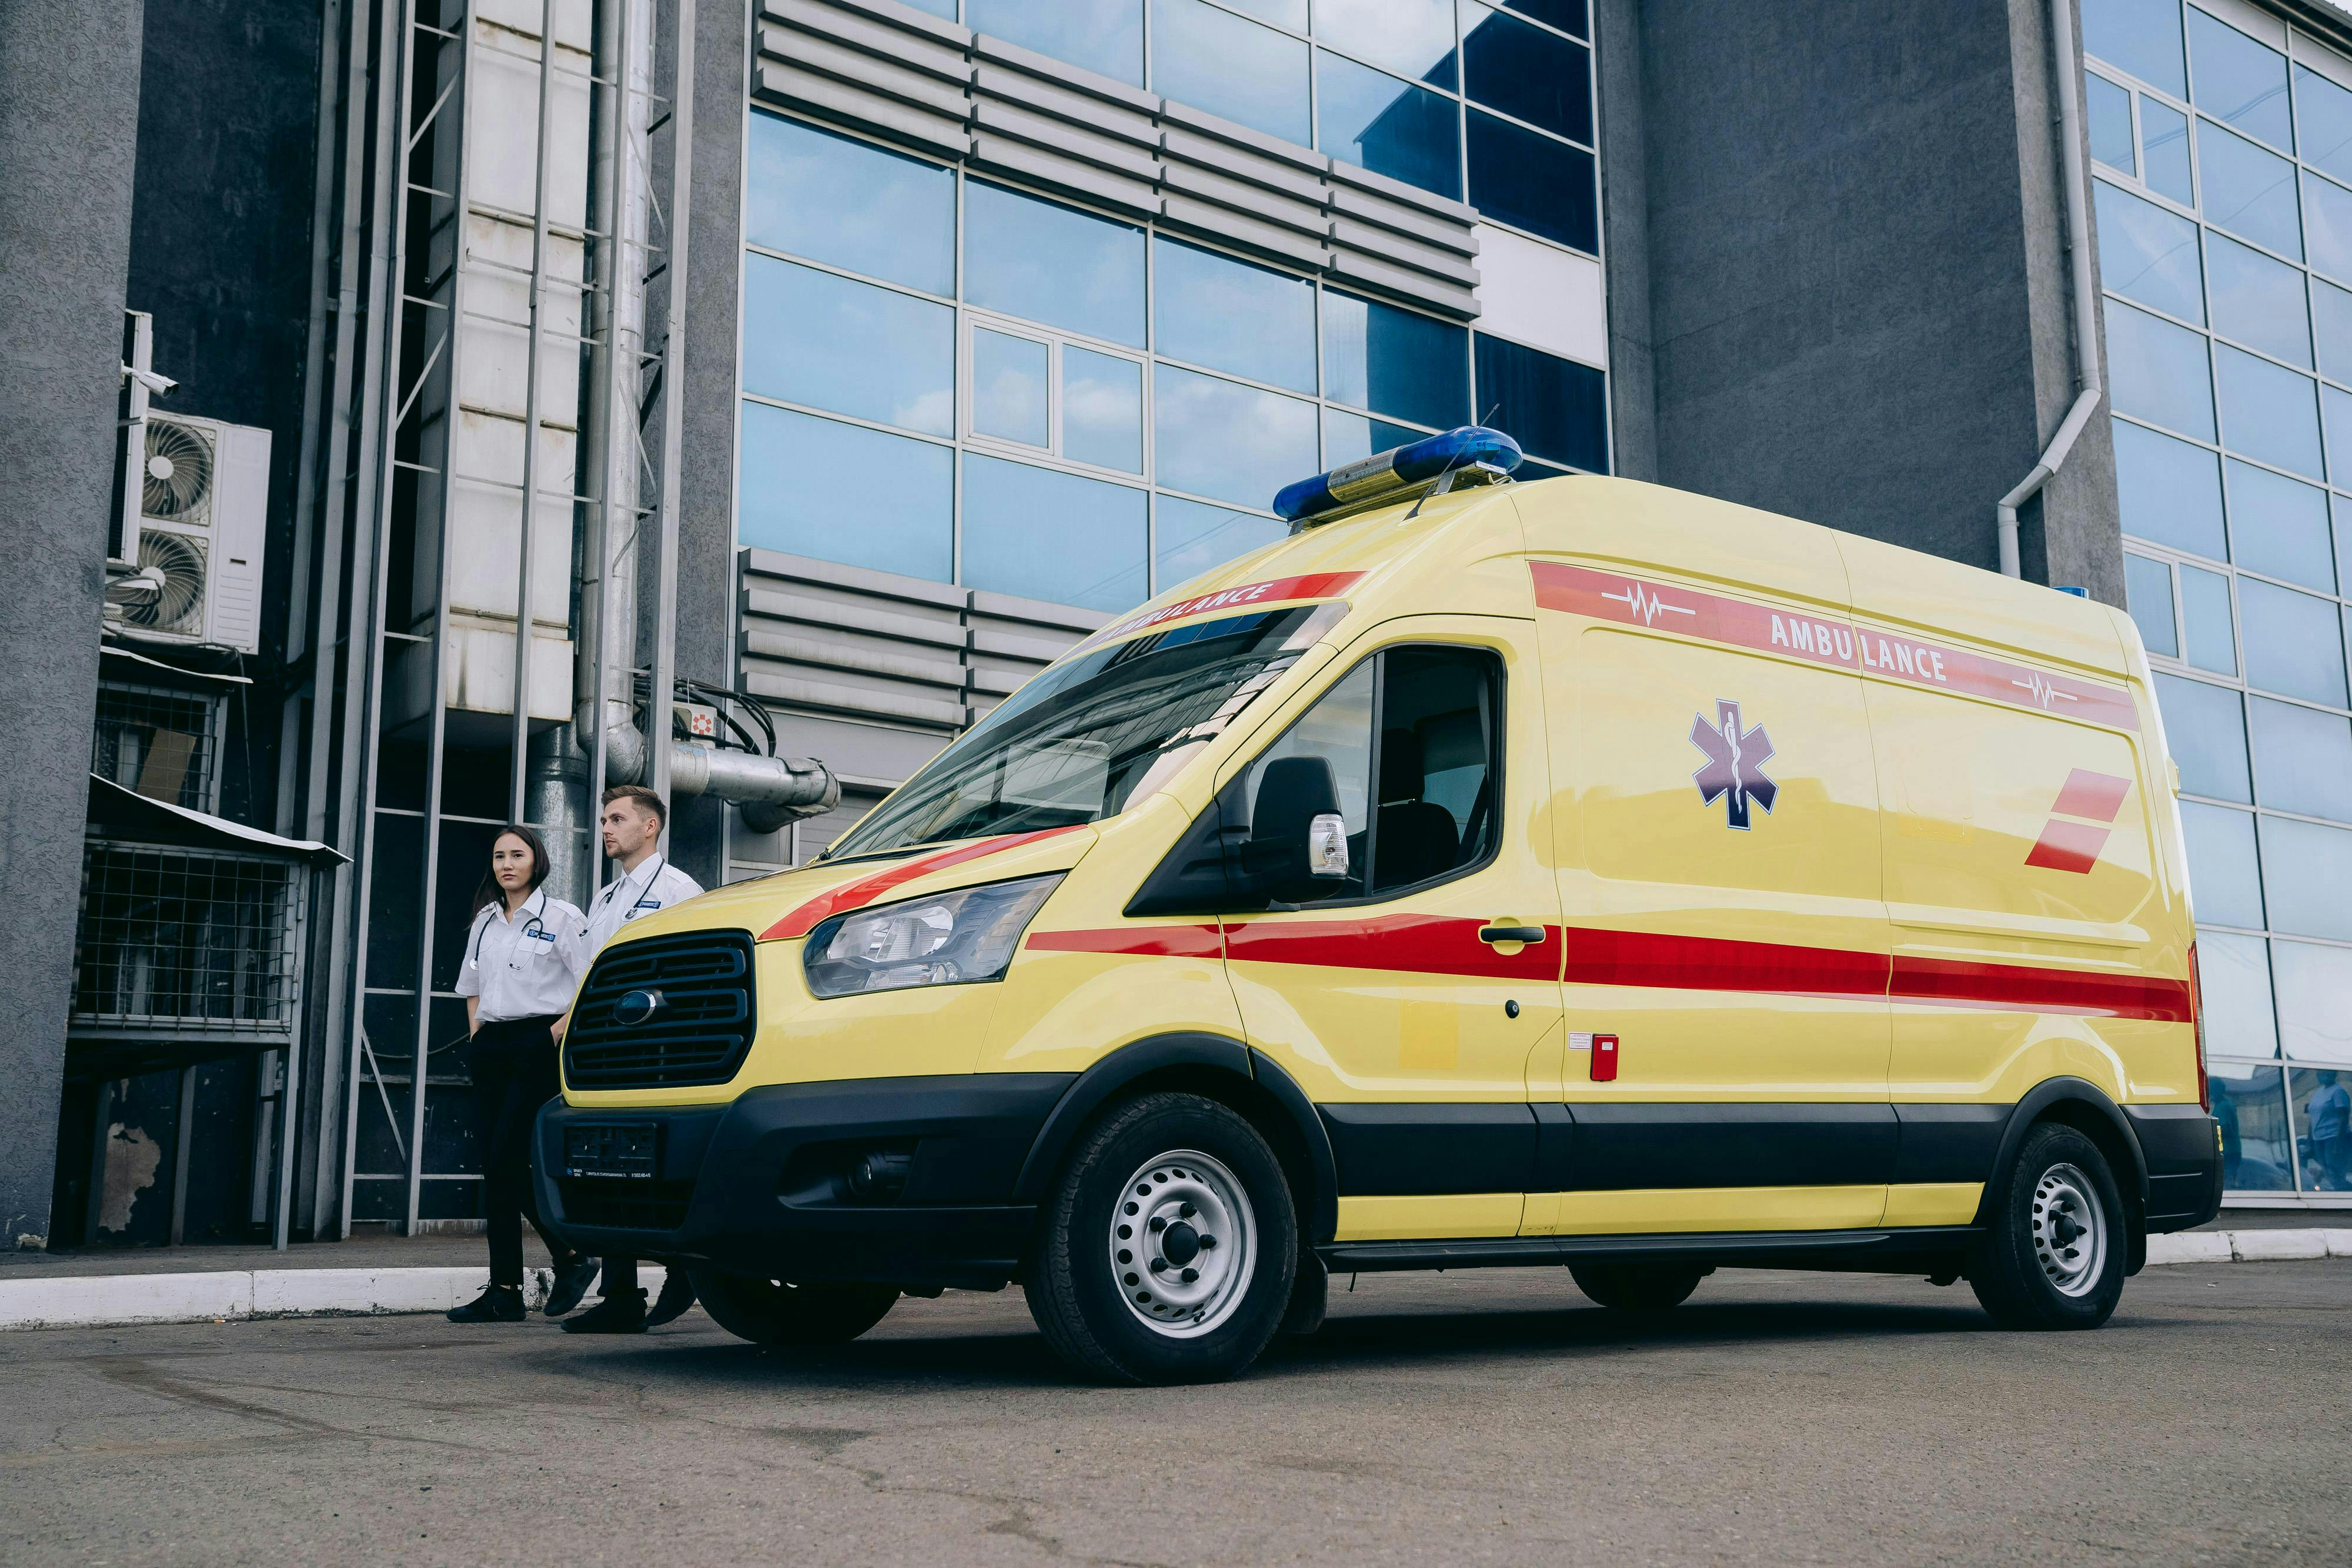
[764, 1186]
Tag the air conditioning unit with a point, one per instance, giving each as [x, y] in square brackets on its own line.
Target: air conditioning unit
[204, 505]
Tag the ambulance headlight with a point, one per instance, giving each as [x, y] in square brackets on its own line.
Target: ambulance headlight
[949, 940]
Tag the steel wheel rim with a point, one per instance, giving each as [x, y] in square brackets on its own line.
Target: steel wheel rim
[2070, 1230]
[1182, 1213]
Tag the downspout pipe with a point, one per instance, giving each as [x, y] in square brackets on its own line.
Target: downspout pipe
[2086, 289]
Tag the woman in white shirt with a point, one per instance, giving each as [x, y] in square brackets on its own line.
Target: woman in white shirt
[525, 954]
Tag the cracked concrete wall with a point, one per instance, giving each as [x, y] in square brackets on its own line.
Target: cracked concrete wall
[68, 134]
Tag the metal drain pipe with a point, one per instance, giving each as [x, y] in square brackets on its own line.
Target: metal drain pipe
[2078, 241]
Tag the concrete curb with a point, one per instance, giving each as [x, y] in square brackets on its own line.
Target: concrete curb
[109, 1301]
[2248, 1246]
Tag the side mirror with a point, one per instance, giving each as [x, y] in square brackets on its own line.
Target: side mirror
[1297, 831]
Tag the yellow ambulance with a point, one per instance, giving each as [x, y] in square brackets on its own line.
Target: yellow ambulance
[1574, 873]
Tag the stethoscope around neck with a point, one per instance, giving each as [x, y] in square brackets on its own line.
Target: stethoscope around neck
[622, 881]
[491, 913]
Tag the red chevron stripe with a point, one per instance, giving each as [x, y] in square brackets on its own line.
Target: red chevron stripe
[867, 889]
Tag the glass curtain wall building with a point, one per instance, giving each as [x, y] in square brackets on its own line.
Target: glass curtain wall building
[948, 376]
[2222, 149]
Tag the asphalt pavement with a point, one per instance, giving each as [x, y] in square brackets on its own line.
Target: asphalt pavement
[1465, 1417]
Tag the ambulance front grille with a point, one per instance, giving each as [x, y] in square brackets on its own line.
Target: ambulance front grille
[697, 1034]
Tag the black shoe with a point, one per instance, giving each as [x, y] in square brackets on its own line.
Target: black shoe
[499, 1304]
[571, 1282]
[676, 1295]
[624, 1313]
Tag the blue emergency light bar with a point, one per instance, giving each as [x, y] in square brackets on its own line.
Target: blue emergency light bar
[1398, 468]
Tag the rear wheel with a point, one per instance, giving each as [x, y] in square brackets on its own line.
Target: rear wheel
[1166, 1251]
[774, 1312]
[1637, 1287]
[2052, 1255]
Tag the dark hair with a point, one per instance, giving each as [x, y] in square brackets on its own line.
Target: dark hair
[647, 801]
[489, 891]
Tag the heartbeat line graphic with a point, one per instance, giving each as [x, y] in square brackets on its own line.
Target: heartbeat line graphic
[2041, 691]
[1647, 605]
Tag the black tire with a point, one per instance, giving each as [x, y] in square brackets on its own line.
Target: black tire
[2052, 1253]
[1187, 1158]
[772, 1312]
[1637, 1287]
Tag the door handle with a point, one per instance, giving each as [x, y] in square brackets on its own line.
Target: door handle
[1529, 934]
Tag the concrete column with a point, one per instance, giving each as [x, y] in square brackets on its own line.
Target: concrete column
[69, 132]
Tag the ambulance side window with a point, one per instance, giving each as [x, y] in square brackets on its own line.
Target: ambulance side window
[1410, 736]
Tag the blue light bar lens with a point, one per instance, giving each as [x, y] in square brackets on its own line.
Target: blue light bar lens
[1396, 469]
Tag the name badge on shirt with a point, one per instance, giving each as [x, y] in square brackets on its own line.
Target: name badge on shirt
[649, 903]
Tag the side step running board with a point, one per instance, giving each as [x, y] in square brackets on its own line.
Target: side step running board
[1770, 1249]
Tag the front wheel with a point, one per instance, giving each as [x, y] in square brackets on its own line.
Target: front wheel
[1636, 1286]
[1166, 1251]
[2052, 1256]
[774, 1312]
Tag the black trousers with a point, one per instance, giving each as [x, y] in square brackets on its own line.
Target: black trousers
[513, 1063]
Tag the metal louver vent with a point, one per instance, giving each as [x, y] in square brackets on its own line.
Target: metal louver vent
[700, 1031]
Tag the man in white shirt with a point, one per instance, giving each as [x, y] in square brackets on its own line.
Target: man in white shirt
[632, 826]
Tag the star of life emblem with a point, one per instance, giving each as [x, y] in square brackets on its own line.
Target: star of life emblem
[1734, 769]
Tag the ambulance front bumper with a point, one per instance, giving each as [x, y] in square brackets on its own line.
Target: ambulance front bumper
[904, 1181]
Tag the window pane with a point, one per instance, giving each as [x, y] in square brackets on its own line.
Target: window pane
[1228, 441]
[2164, 150]
[2109, 108]
[1436, 755]
[813, 338]
[1338, 728]
[2323, 113]
[1102, 408]
[2207, 729]
[2328, 213]
[1350, 437]
[1049, 536]
[2232, 77]
[2341, 508]
[2337, 405]
[2159, 371]
[1232, 316]
[2148, 588]
[1009, 394]
[1191, 538]
[1533, 183]
[2305, 869]
[2170, 491]
[2205, 614]
[1103, 35]
[1553, 408]
[2268, 412]
[2295, 643]
[2259, 301]
[2150, 254]
[1567, 14]
[850, 205]
[1214, 60]
[1290, 13]
[2323, 1129]
[2227, 889]
[2233, 976]
[1375, 121]
[2252, 1113]
[2304, 759]
[1412, 37]
[1395, 361]
[2141, 36]
[1526, 72]
[2249, 192]
[1054, 264]
[2279, 527]
[804, 476]
[2331, 320]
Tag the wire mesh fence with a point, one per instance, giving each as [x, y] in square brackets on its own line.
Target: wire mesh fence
[158, 742]
[186, 941]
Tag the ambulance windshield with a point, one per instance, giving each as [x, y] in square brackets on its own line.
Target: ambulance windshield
[1100, 729]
